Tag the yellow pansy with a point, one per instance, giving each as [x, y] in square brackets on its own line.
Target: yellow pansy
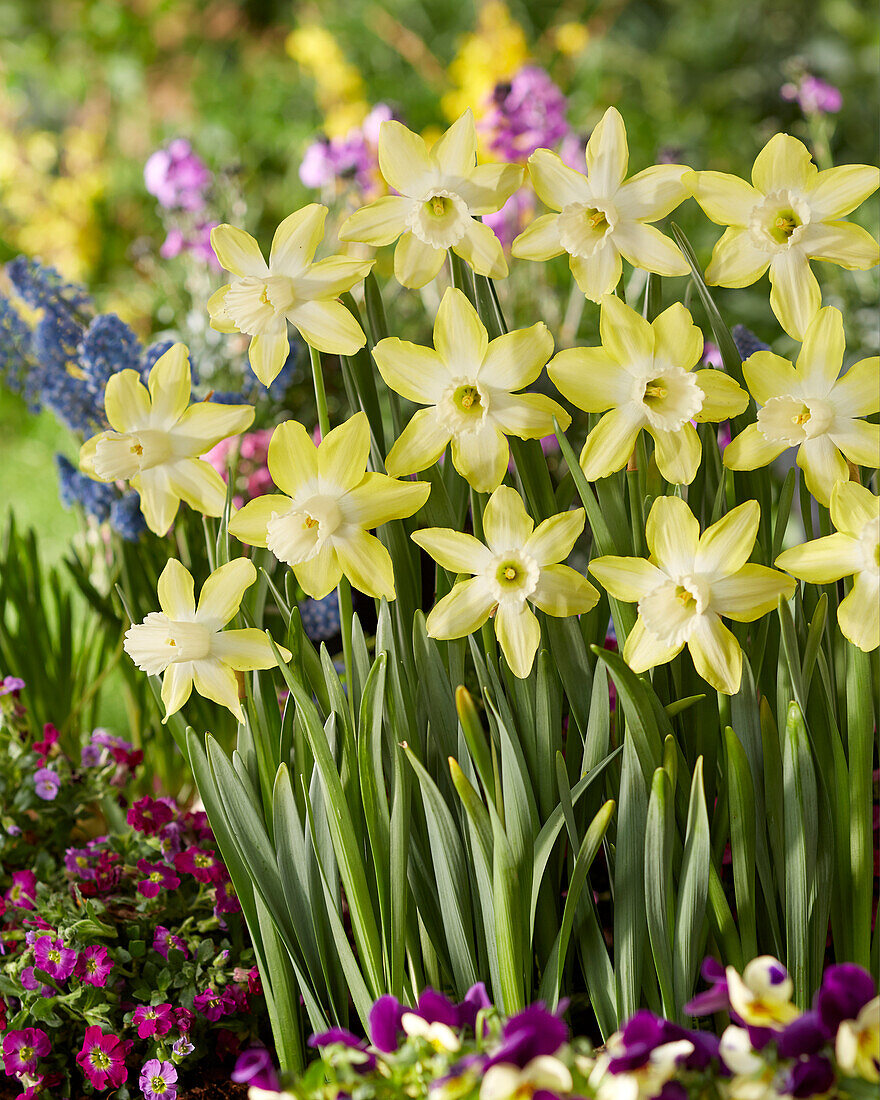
[603, 215]
[188, 646]
[441, 193]
[854, 551]
[156, 437]
[320, 527]
[787, 216]
[809, 406]
[685, 586]
[642, 373]
[857, 1045]
[761, 997]
[467, 381]
[516, 567]
[542, 1074]
[290, 287]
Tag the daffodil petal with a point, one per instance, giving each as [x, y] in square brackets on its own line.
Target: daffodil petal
[562, 591]
[379, 499]
[553, 538]
[415, 372]
[237, 251]
[555, 183]
[204, 424]
[488, 186]
[506, 523]
[268, 354]
[539, 240]
[176, 590]
[838, 191]
[859, 613]
[723, 397]
[198, 483]
[751, 592]
[519, 635]
[824, 560]
[482, 250]
[768, 375]
[331, 277]
[419, 445]
[327, 326]
[403, 159]
[343, 453]
[296, 240]
[823, 465]
[87, 454]
[646, 247]
[292, 457]
[842, 243]
[643, 650]
[784, 163]
[216, 306]
[859, 441]
[726, 546]
[626, 335]
[795, 297]
[481, 457]
[725, 199]
[821, 355]
[517, 358]
[249, 523]
[377, 223]
[673, 535]
[527, 415]
[366, 563]
[735, 260]
[607, 155]
[677, 340]
[245, 650]
[852, 506]
[453, 550]
[459, 335]
[590, 378]
[857, 393]
[455, 151]
[626, 579]
[177, 685]
[652, 193]
[216, 681]
[598, 274]
[223, 592]
[126, 401]
[170, 386]
[319, 575]
[610, 444]
[716, 654]
[462, 611]
[159, 503]
[751, 449]
[677, 453]
[416, 263]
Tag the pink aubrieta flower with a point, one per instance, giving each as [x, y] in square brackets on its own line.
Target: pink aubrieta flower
[204, 866]
[225, 899]
[50, 738]
[12, 685]
[93, 965]
[158, 1080]
[183, 1019]
[164, 939]
[21, 1049]
[156, 877]
[29, 982]
[23, 891]
[182, 1047]
[51, 955]
[47, 784]
[213, 1005]
[149, 815]
[177, 176]
[527, 113]
[814, 96]
[102, 1058]
[153, 1020]
[78, 862]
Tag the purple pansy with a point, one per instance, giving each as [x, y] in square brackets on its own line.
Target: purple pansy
[256, 1069]
[529, 1034]
[811, 1076]
[715, 999]
[348, 1039]
[846, 989]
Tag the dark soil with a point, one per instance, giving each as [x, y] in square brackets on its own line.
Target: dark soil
[213, 1086]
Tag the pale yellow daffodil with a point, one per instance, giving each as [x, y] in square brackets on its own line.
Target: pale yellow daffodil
[440, 194]
[854, 551]
[188, 646]
[320, 527]
[290, 287]
[466, 381]
[642, 374]
[518, 566]
[687, 584]
[156, 438]
[788, 215]
[809, 406]
[603, 215]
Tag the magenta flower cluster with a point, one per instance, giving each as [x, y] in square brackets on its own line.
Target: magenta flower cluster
[181, 180]
[347, 163]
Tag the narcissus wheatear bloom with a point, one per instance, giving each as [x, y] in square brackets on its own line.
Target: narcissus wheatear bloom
[687, 584]
[809, 406]
[854, 551]
[321, 526]
[642, 374]
[188, 646]
[518, 566]
[441, 193]
[290, 287]
[466, 381]
[603, 215]
[788, 215]
[156, 437]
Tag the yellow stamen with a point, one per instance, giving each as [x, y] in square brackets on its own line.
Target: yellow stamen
[510, 573]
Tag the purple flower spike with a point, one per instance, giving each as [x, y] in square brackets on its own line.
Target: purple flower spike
[846, 989]
[385, 1017]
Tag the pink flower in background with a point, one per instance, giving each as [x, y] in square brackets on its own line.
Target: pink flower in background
[350, 161]
[813, 96]
[158, 1080]
[163, 939]
[52, 956]
[149, 815]
[203, 866]
[94, 965]
[153, 1020]
[251, 468]
[23, 890]
[102, 1058]
[513, 217]
[156, 877]
[47, 784]
[177, 177]
[527, 113]
[50, 738]
[21, 1049]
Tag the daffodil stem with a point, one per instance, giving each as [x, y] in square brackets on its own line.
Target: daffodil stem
[320, 392]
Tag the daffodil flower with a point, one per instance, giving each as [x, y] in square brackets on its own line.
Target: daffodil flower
[291, 287]
[542, 1075]
[441, 192]
[188, 646]
[156, 437]
[603, 215]
[687, 584]
[854, 551]
[787, 216]
[467, 381]
[762, 996]
[810, 407]
[857, 1045]
[518, 566]
[321, 526]
[642, 373]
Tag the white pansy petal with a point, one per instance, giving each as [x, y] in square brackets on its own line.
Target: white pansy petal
[459, 335]
[328, 327]
[453, 550]
[379, 499]
[610, 444]
[859, 613]
[419, 445]
[500, 1082]
[177, 684]
[841, 243]
[823, 466]
[677, 453]
[176, 590]
[859, 441]
[795, 297]
[126, 401]
[726, 546]
[204, 424]
[170, 386]
[677, 340]
[268, 354]
[857, 393]
[506, 523]
[489, 186]
[249, 523]
[768, 375]
[415, 372]
[237, 251]
[838, 191]
[546, 1072]
[377, 223]
[159, 502]
[245, 650]
[198, 483]
[735, 260]
[751, 592]
[555, 183]
[821, 355]
[319, 575]
[539, 240]
[590, 378]
[216, 681]
[296, 240]
[403, 159]
[824, 560]
[784, 163]
[462, 611]
[643, 650]
[455, 152]
[517, 358]
[607, 155]
[716, 654]
[519, 635]
[562, 591]
[852, 506]
[527, 415]
[482, 250]
[653, 193]
[553, 539]
[343, 454]
[723, 398]
[366, 563]
[646, 247]
[223, 591]
[673, 535]
[626, 579]
[751, 449]
[725, 199]
[416, 263]
[598, 274]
